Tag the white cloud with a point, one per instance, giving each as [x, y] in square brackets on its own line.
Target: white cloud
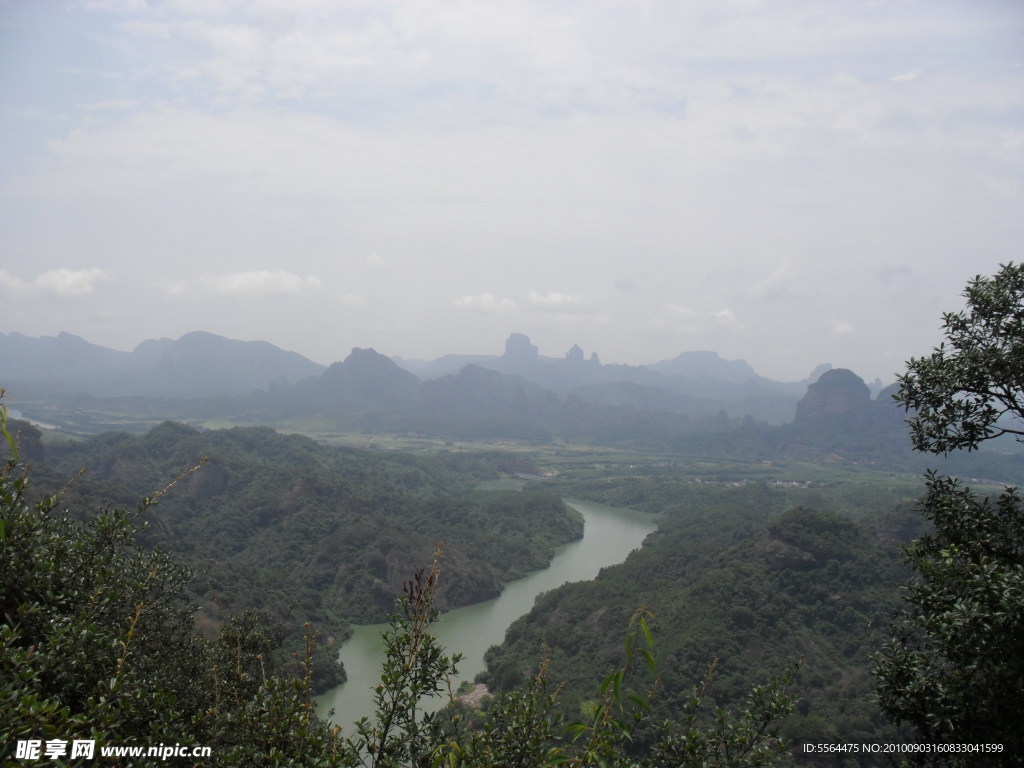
[376, 261]
[353, 300]
[553, 300]
[259, 283]
[726, 317]
[56, 282]
[10, 283]
[487, 304]
[69, 282]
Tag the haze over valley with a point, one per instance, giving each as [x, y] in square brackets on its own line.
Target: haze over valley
[200, 365]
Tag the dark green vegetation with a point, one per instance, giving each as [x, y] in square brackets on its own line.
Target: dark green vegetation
[99, 643]
[953, 668]
[971, 388]
[525, 728]
[752, 576]
[309, 532]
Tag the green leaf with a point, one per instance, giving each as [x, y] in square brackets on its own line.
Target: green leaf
[575, 730]
[648, 638]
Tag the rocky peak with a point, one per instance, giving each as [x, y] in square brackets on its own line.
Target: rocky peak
[368, 359]
[839, 394]
[519, 347]
[818, 372]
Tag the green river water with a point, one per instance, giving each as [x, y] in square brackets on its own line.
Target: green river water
[609, 535]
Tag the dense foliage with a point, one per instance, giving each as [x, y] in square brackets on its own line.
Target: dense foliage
[953, 667]
[743, 575]
[525, 728]
[971, 387]
[309, 532]
[98, 643]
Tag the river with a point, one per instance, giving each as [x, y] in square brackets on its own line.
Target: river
[14, 413]
[609, 535]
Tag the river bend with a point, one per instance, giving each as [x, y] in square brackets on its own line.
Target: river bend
[609, 535]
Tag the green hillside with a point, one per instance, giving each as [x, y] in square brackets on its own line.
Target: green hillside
[310, 532]
[749, 578]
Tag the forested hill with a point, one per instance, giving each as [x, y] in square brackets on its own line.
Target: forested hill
[749, 578]
[307, 531]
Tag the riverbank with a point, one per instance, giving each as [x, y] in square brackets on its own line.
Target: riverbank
[475, 696]
[609, 535]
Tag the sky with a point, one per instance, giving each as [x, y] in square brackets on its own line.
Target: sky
[791, 183]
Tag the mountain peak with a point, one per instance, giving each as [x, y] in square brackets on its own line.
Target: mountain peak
[368, 358]
[838, 394]
[519, 347]
[703, 364]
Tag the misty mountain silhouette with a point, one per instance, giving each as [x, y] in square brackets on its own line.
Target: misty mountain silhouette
[518, 393]
[695, 402]
[199, 364]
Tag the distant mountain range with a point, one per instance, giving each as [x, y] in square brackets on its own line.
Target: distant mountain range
[198, 364]
[204, 365]
[695, 403]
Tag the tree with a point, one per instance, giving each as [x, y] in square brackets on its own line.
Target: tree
[98, 642]
[953, 666]
[524, 729]
[971, 388]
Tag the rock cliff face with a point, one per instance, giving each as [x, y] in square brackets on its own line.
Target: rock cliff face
[888, 414]
[519, 347]
[839, 396]
[837, 420]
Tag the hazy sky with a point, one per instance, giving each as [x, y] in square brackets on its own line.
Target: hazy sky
[790, 182]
